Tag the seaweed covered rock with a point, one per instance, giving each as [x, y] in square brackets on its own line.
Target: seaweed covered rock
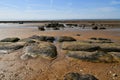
[97, 56]
[65, 38]
[41, 28]
[79, 46]
[9, 47]
[14, 39]
[43, 49]
[77, 76]
[111, 47]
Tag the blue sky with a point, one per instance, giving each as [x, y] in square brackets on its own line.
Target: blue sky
[59, 9]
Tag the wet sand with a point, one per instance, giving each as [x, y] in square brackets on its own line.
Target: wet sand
[13, 68]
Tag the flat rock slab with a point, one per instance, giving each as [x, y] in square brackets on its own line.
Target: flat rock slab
[97, 56]
[86, 46]
[9, 47]
[43, 49]
[14, 39]
[79, 46]
[65, 39]
[77, 76]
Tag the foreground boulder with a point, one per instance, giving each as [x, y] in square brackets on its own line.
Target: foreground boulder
[43, 49]
[14, 39]
[77, 76]
[9, 47]
[65, 38]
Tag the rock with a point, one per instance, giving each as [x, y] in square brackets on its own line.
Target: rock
[7, 48]
[87, 46]
[102, 28]
[25, 57]
[97, 56]
[111, 47]
[41, 28]
[43, 49]
[79, 46]
[50, 38]
[116, 55]
[100, 40]
[78, 35]
[56, 28]
[77, 76]
[65, 38]
[95, 28]
[42, 38]
[14, 39]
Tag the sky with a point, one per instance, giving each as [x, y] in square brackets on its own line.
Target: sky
[59, 9]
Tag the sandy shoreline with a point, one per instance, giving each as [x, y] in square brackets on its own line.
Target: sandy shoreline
[12, 67]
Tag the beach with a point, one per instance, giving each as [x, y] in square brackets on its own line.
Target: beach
[13, 68]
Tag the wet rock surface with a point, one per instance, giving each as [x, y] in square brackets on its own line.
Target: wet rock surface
[77, 76]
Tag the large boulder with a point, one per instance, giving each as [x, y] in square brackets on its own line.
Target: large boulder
[77, 76]
[79, 46]
[65, 38]
[43, 49]
[14, 39]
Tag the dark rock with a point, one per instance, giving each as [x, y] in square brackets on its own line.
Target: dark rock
[77, 76]
[6, 48]
[14, 39]
[95, 28]
[102, 28]
[101, 40]
[41, 28]
[49, 38]
[42, 38]
[65, 38]
[78, 35]
[43, 49]
[56, 28]
[79, 46]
